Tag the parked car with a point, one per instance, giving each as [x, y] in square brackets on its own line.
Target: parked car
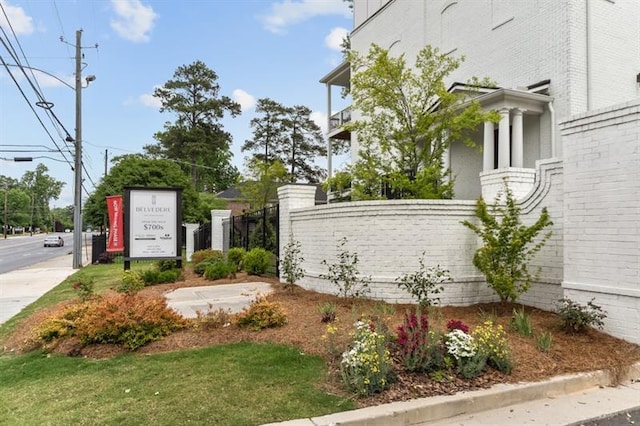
[53, 241]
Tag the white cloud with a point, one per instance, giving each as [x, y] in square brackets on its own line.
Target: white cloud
[134, 20]
[335, 38]
[320, 118]
[245, 100]
[20, 22]
[150, 101]
[289, 12]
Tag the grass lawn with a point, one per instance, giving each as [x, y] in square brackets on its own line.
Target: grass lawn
[229, 384]
[232, 384]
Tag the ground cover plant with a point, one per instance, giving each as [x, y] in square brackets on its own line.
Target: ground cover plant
[529, 359]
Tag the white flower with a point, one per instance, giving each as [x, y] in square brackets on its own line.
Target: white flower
[460, 344]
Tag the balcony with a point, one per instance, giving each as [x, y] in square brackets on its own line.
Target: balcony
[337, 121]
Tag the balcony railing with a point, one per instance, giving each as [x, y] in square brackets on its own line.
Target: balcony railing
[339, 119]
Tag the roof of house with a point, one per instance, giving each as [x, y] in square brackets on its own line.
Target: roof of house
[234, 193]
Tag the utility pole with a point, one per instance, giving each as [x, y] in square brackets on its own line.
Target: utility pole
[4, 225]
[77, 202]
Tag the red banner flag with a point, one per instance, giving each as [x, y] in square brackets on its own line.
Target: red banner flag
[116, 233]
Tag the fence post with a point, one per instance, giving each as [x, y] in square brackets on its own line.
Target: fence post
[217, 229]
[190, 243]
[292, 197]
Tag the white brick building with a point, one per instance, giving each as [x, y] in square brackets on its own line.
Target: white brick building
[568, 73]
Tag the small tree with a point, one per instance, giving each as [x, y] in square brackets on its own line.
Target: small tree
[424, 281]
[345, 275]
[508, 245]
[291, 269]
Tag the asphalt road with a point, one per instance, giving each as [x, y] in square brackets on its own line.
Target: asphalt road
[625, 418]
[20, 251]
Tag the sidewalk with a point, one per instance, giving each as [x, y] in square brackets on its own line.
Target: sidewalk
[566, 400]
[21, 287]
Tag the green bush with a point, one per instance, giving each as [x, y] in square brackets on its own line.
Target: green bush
[577, 318]
[235, 257]
[257, 261]
[159, 276]
[262, 314]
[131, 283]
[218, 270]
[165, 265]
[202, 266]
[207, 254]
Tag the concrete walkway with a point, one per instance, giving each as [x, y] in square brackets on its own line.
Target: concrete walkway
[233, 297]
[20, 288]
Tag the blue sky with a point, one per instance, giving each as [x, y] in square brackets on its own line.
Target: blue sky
[258, 48]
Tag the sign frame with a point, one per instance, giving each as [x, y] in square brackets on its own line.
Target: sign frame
[147, 226]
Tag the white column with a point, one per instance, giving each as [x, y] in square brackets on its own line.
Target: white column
[488, 148]
[504, 153]
[217, 236]
[292, 197]
[190, 243]
[329, 151]
[517, 156]
[446, 161]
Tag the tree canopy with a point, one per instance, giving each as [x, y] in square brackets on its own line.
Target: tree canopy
[197, 138]
[409, 118]
[138, 170]
[28, 198]
[287, 135]
[262, 184]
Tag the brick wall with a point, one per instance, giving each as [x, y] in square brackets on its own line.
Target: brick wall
[390, 236]
[602, 214]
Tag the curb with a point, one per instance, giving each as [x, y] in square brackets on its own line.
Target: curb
[424, 410]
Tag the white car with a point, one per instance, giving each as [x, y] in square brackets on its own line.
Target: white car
[53, 241]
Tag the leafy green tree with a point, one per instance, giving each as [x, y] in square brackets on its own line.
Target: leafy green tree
[42, 189]
[508, 245]
[197, 138]
[409, 119]
[138, 170]
[17, 206]
[263, 181]
[63, 215]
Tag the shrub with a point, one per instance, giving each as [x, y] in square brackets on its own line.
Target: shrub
[157, 276]
[235, 257]
[85, 289]
[290, 267]
[131, 283]
[257, 261]
[202, 266]
[105, 258]
[61, 324]
[367, 367]
[327, 312]
[506, 250]
[212, 319]
[577, 318]
[129, 320]
[491, 341]
[345, 275]
[332, 340]
[423, 282]
[166, 265]
[201, 255]
[262, 314]
[521, 322]
[218, 270]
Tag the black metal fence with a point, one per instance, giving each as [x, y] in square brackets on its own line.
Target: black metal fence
[259, 228]
[202, 237]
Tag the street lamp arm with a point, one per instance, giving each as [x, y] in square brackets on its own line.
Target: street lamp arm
[43, 72]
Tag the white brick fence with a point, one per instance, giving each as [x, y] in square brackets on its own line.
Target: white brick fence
[390, 236]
